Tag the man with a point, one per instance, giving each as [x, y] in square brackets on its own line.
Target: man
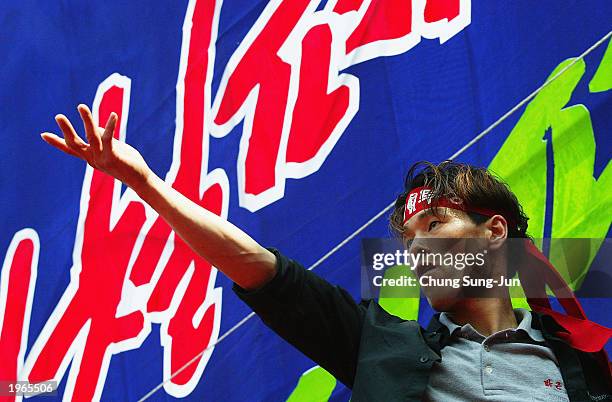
[478, 348]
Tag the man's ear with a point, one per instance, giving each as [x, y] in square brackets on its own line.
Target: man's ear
[497, 231]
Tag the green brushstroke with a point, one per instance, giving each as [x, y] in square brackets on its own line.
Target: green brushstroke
[581, 203]
[315, 385]
[521, 161]
[391, 299]
[602, 80]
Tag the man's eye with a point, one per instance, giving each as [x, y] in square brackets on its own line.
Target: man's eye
[433, 224]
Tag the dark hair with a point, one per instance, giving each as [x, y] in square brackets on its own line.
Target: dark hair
[476, 186]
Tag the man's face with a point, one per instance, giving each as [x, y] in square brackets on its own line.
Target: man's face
[444, 231]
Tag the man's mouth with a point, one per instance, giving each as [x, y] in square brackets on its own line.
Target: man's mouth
[422, 269]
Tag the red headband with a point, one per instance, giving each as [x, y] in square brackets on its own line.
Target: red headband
[534, 275]
[420, 199]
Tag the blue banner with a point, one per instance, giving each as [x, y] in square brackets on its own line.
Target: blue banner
[295, 120]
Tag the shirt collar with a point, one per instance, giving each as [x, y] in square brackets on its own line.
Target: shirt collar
[523, 317]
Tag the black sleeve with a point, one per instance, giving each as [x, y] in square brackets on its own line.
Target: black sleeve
[319, 319]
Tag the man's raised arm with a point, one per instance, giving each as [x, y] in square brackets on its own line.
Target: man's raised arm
[218, 241]
[321, 320]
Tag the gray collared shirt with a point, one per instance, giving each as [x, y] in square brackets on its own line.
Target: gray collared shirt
[509, 365]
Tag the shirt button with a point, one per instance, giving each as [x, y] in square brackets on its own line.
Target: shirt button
[423, 359]
[488, 369]
[486, 348]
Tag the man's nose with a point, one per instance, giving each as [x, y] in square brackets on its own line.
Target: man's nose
[419, 245]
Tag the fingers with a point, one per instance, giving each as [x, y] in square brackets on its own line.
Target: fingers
[107, 136]
[59, 143]
[73, 141]
[95, 142]
[72, 144]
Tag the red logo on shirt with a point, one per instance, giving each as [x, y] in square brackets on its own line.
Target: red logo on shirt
[550, 384]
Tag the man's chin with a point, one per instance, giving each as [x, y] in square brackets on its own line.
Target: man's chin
[443, 301]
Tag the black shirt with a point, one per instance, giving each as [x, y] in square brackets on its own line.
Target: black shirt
[382, 357]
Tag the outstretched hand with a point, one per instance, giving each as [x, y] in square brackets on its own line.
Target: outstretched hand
[102, 151]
